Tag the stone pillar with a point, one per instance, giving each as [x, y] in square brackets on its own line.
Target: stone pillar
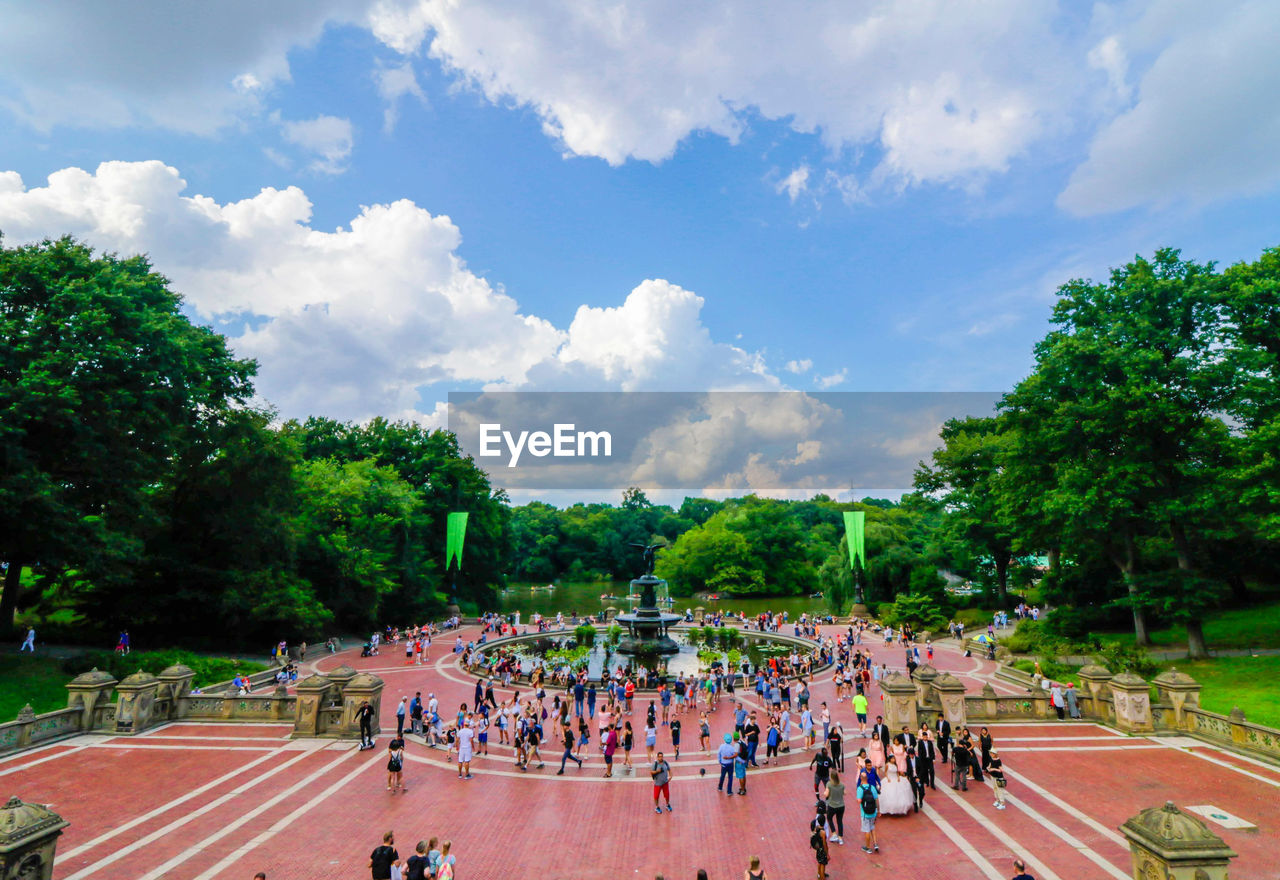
[1239, 735]
[1132, 697]
[280, 703]
[88, 691]
[176, 681]
[340, 676]
[312, 691]
[135, 703]
[1179, 690]
[949, 695]
[923, 677]
[28, 838]
[1093, 679]
[362, 688]
[989, 706]
[27, 717]
[1167, 844]
[900, 702]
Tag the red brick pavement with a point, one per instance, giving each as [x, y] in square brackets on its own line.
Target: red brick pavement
[317, 809]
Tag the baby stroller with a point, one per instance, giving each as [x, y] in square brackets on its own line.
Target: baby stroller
[367, 650]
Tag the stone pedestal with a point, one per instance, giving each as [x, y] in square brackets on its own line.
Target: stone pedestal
[900, 701]
[175, 682]
[1093, 681]
[135, 703]
[340, 676]
[1132, 697]
[364, 687]
[923, 677]
[1167, 844]
[949, 693]
[88, 691]
[1180, 691]
[28, 839]
[990, 707]
[312, 692]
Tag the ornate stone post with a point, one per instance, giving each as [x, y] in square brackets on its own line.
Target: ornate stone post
[923, 677]
[949, 695]
[89, 690]
[1133, 703]
[176, 681]
[1094, 679]
[280, 702]
[359, 689]
[989, 705]
[135, 702]
[341, 676]
[311, 698]
[900, 701]
[28, 838]
[1181, 691]
[1168, 844]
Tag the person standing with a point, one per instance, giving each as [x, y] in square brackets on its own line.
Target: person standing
[579, 697]
[464, 734]
[661, 773]
[415, 713]
[675, 736]
[818, 842]
[1021, 868]
[1073, 706]
[751, 733]
[1055, 697]
[913, 777]
[772, 738]
[610, 746]
[821, 767]
[395, 764]
[755, 872]
[383, 857]
[401, 710]
[984, 745]
[960, 766]
[417, 866]
[726, 755]
[925, 754]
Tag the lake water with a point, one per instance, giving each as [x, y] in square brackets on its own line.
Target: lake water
[583, 597]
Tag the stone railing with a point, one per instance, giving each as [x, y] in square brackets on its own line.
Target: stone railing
[324, 706]
[30, 729]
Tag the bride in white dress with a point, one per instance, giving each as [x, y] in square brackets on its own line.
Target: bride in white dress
[896, 798]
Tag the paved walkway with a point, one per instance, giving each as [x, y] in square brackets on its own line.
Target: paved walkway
[199, 802]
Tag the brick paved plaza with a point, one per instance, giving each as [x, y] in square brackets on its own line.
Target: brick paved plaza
[189, 801]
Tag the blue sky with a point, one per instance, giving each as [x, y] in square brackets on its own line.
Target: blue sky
[948, 166]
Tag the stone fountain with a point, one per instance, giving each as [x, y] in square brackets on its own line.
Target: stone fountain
[647, 625]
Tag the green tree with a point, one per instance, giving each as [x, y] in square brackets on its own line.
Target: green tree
[103, 381]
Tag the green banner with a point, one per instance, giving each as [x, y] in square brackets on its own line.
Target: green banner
[457, 531]
[855, 533]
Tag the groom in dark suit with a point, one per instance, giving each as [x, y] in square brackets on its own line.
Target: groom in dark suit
[881, 732]
[942, 727]
[908, 738]
[913, 776]
[925, 753]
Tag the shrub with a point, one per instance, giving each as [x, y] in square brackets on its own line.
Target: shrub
[208, 670]
[919, 611]
[1028, 638]
[1127, 658]
[584, 634]
[614, 633]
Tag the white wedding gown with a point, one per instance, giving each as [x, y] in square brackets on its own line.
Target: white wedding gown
[896, 798]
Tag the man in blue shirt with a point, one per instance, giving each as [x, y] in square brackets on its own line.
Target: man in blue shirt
[591, 700]
[739, 719]
[726, 755]
[579, 692]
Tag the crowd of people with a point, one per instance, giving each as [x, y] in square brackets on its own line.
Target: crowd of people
[871, 772]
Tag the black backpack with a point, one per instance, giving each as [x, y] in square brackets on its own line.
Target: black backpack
[868, 800]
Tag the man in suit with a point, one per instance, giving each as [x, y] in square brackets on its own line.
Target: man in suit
[924, 758]
[908, 738]
[943, 730]
[960, 767]
[881, 732]
[913, 776]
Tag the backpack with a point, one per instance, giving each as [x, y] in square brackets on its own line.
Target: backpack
[868, 800]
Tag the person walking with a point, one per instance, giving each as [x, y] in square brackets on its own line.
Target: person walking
[661, 773]
[960, 757]
[860, 709]
[650, 739]
[465, 734]
[29, 643]
[818, 841]
[610, 746]
[568, 747]
[383, 857]
[868, 807]
[417, 866]
[675, 736]
[1021, 867]
[754, 872]
[834, 797]
[996, 769]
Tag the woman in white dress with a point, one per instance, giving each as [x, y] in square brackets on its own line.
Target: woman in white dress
[896, 798]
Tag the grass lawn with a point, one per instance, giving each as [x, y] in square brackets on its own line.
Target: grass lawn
[1247, 682]
[24, 679]
[1254, 627]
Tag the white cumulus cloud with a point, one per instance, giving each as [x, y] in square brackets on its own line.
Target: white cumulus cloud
[327, 139]
[353, 322]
